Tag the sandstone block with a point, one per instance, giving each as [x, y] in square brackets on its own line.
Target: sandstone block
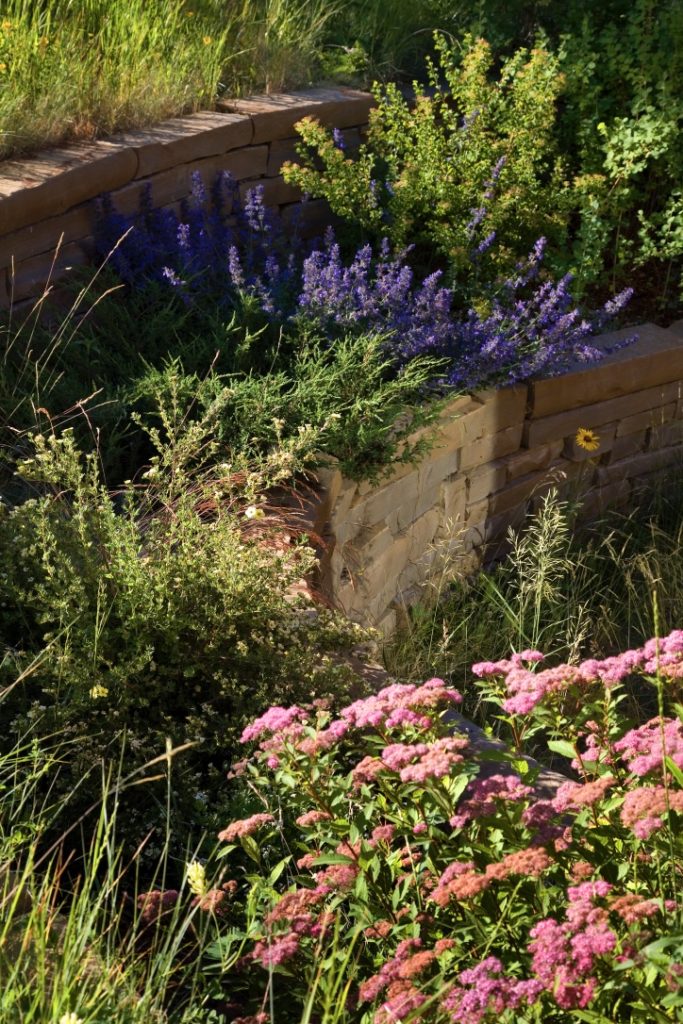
[639, 465]
[655, 358]
[648, 418]
[386, 625]
[518, 494]
[274, 117]
[174, 184]
[599, 499]
[422, 532]
[427, 498]
[58, 179]
[454, 502]
[484, 481]
[281, 151]
[183, 140]
[44, 236]
[32, 276]
[526, 460]
[276, 191]
[382, 504]
[491, 446]
[437, 466]
[630, 444]
[508, 405]
[563, 424]
[308, 219]
[665, 435]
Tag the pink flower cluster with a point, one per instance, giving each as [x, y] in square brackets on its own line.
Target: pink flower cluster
[396, 976]
[526, 688]
[644, 807]
[644, 749]
[244, 827]
[485, 990]
[461, 881]
[276, 719]
[417, 762]
[565, 955]
[482, 796]
[389, 707]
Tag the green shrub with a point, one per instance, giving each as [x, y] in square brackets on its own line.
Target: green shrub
[471, 155]
[163, 613]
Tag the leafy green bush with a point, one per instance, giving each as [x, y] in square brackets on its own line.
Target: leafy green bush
[165, 613]
[470, 156]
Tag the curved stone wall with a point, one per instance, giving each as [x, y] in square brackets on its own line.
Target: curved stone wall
[496, 454]
[48, 200]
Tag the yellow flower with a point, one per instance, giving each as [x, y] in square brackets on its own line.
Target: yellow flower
[207, 40]
[99, 691]
[587, 439]
[3, 67]
[70, 1018]
[196, 878]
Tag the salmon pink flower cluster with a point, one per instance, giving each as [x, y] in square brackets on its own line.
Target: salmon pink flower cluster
[527, 688]
[476, 894]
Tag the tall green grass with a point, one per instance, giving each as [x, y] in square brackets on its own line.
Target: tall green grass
[79, 70]
[571, 593]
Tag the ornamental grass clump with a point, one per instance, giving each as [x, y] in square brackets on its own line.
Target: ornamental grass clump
[417, 877]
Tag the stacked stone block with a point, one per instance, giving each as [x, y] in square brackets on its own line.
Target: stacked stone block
[496, 453]
[48, 202]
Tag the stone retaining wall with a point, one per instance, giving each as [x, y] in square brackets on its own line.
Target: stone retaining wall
[51, 196]
[496, 454]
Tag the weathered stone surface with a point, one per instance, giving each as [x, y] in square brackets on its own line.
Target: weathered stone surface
[667, 434]
[526, 460]
[517, 494]
[174, 184]
[308, 218]
[508, 405]
[276, 191]
[274, 117]
[438, 466]
[648, 418]
[639, 465]
[32, 276]
[183, 140]
[627, 445]
[656, 358]
[484, 481]
[551, 428]
[599, 499]
[384, 502]
[44, 236]
[59, 179]
[492, 446]
[454, 498]
[422, 532]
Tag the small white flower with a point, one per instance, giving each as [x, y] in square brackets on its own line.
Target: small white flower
[70, 1018]
[254, 512]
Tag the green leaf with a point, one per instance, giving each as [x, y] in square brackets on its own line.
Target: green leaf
[563, 748]
[332, 858]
